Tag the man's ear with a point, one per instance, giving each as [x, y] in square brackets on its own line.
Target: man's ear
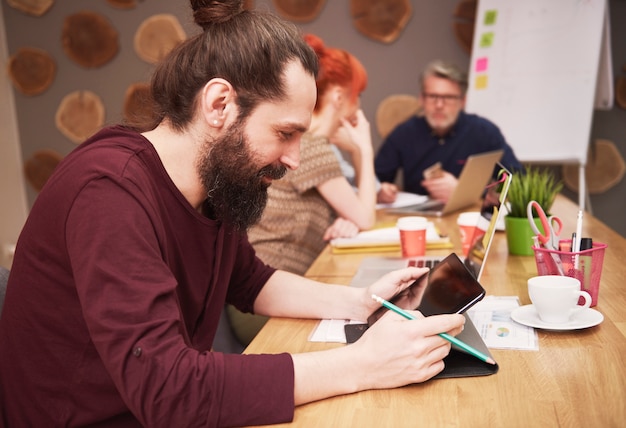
[217, 102]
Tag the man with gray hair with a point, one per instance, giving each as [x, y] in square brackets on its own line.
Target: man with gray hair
[441, 134]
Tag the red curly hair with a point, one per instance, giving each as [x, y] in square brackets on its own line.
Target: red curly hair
[336, 67]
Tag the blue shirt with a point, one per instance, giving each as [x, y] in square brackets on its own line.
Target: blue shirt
[412, 146]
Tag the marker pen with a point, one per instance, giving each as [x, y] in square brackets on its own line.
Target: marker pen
[585, 263]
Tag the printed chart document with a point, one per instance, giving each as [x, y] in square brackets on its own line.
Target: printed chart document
[492, 318]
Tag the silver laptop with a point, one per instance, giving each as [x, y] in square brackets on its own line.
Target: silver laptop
[372, 268]
[475, 175]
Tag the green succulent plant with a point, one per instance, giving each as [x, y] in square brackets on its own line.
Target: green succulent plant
[532, 184]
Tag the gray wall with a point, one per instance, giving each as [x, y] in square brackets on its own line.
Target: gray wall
[392, 68]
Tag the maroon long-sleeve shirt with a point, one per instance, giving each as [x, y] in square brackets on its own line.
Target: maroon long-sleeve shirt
[114, 298]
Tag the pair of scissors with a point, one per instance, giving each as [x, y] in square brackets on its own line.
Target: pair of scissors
[552, 226]
[549, 238]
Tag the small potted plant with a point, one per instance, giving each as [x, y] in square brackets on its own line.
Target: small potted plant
[530, 184]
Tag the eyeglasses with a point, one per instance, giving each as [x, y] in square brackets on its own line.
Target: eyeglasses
[446, 99]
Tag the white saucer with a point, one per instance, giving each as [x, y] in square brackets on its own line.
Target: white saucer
[585, 318]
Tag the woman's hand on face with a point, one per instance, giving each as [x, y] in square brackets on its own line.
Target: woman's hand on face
[358, 129]
[342, 139]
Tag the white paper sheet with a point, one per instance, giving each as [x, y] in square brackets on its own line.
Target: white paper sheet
[384, 236]
[491, 317]
[331, 331]
[404, 199]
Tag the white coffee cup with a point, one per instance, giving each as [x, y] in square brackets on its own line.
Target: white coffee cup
[555, 297]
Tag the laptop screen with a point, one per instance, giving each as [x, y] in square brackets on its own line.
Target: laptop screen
[494, 214]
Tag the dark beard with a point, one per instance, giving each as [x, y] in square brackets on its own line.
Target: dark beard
[236, 192]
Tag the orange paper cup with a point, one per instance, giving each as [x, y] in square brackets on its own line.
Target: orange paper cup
[471, 228]
[412, 235]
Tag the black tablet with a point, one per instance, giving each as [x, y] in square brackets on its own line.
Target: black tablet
[451, 288]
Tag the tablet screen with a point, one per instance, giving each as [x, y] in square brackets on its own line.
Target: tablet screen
[451, 288]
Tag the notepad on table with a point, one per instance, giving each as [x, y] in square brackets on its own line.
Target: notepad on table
[385, 239]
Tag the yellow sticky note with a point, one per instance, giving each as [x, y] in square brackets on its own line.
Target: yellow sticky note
[481, 81]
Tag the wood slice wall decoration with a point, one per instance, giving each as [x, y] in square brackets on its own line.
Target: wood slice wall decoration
[157, 36]
[40, 166]
[381, 20]
[605, 168]
[89, 39]
[31, 70]
[299, 10]
[464, 23]
[79, 115]
[31, 7]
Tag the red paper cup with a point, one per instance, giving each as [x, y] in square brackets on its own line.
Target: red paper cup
[471, 228]
[412, 235]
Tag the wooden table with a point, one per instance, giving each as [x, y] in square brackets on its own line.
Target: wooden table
[576, 379]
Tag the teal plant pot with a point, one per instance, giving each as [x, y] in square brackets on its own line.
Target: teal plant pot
[519, 235]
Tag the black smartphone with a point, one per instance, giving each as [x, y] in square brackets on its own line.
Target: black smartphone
[451, 288]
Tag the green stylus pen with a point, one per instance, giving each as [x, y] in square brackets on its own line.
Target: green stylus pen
[471, 350]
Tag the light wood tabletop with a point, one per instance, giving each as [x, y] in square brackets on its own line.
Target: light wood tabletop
[576, 378]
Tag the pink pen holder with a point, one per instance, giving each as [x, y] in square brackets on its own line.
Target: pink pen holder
[586, 266]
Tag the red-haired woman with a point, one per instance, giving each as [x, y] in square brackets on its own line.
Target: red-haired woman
[316, 203]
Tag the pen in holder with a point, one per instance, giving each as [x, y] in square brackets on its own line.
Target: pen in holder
[585, 265]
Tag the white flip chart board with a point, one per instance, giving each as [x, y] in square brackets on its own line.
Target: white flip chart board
[538, 69]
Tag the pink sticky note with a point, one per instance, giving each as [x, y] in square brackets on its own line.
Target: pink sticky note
[481, 64]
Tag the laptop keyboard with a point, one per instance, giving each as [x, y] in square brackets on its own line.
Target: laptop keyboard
[424, 262]
[372, 268]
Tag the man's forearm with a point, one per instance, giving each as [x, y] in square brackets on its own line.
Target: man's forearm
[284, 294]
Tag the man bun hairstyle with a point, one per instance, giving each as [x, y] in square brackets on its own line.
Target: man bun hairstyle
[248, 48]
[209, 12]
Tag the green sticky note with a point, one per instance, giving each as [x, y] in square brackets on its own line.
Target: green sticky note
[490, 17]
[486, 40]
